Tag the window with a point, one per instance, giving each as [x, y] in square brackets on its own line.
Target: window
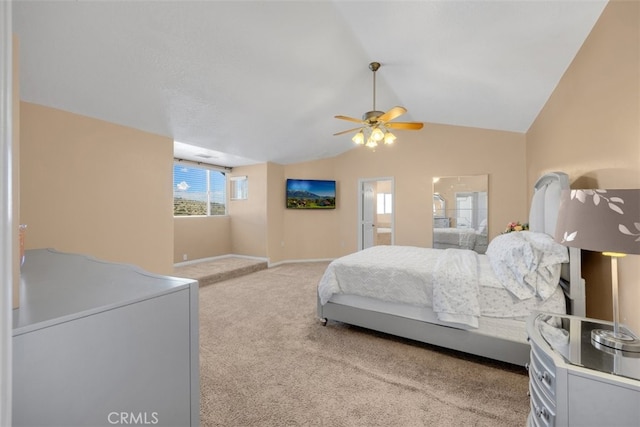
[198, 190]
[239, 187]
[385, 203]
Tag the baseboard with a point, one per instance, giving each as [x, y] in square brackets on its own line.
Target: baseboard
[215, 258]
[269, 263]
[294, 261]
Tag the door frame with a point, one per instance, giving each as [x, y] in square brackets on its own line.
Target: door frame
[361, 182]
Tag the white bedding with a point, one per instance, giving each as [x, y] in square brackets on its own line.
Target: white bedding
[460, 238]
[405, 274]
[463, 238]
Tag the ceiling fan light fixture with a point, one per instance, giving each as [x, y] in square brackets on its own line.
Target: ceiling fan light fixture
[371, 143]
[389, 138]
[375, 124]
[358, 138]
[376, 134]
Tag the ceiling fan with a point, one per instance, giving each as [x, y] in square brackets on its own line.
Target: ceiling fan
[374, 126]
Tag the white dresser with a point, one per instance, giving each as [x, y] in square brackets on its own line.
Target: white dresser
[101, 344]
[573, 383]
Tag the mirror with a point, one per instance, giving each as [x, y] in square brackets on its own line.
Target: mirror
[461, 212]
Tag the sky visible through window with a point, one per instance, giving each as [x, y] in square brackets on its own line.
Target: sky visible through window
[191, 183]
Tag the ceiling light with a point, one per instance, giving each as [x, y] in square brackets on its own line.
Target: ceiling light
[358, 138]
[377, 134]
[374, 124]
[389, 138]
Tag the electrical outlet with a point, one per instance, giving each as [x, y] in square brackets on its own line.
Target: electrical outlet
[184, 257]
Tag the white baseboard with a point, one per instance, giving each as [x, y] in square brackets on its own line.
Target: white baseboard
[269, 263]
[294, 261]
[199, 260]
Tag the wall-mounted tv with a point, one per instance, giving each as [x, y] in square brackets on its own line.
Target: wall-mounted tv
[311, 194]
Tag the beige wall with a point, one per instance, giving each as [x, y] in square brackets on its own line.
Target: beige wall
[249, 217]
[590, 128]
[262, 226]
[309, 234]
[437, 150]
[201, 237]
[92, 187]
[275, 212]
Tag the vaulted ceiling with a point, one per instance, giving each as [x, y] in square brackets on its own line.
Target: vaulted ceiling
[256, 81]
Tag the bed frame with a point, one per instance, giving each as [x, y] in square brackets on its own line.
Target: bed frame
[543, 217]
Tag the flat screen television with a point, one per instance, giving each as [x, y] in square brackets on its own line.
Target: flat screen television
[311, 194]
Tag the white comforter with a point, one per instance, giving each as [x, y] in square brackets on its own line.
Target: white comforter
[446, 280]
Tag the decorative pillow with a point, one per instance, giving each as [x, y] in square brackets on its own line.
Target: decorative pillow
[551, 255]
[512, 258]
[527, 263]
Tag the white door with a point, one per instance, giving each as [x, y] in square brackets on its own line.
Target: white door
[367, 222]
[370, 216]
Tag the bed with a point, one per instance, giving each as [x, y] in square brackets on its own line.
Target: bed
[460, 238]
[457, 298]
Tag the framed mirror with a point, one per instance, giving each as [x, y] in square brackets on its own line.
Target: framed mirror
[461, 212]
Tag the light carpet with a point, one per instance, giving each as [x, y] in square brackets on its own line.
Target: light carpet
[266, 360]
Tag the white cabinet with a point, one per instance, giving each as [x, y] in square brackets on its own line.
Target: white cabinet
[573, 383]
[97, 343]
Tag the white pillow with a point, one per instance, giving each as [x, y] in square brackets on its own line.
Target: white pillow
[512, 258]
[527, 263]
[551, 255]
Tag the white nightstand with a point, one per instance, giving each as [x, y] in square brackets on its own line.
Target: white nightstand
[573, 383]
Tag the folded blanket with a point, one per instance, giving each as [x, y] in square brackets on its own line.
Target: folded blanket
[456, 287]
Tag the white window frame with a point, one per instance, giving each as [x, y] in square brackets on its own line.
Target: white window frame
[238, 187]
[208, 168]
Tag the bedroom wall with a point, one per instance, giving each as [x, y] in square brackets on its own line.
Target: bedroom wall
[309, 234]
[437, 150]
[92, 187]
[248, 218]
[590, 128]
[275, 212]
[200, 237]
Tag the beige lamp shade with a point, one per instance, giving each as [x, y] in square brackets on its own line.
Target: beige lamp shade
[600, 220]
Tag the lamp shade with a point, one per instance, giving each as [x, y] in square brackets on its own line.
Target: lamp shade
[600, 220]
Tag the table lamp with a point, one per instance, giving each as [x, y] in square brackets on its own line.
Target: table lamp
[606, 221]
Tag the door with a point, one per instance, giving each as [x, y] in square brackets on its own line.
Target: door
[375, 212]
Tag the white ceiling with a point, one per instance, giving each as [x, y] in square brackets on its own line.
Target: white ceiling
[258, 81]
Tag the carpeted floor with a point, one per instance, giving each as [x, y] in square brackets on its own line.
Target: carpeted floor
[265, 360]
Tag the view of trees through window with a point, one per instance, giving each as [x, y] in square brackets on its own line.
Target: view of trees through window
[198, 190]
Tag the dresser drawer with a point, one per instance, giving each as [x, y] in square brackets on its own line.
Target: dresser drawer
[543, 411]
[543, 375]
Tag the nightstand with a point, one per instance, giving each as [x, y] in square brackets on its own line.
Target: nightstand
[573, 383]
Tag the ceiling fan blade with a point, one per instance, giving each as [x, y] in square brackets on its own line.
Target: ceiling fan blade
[351, 119]
[392, 114]
[404, 125]
[346, 131]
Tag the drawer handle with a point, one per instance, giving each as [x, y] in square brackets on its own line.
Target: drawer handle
[542, 376]
[541, 412]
